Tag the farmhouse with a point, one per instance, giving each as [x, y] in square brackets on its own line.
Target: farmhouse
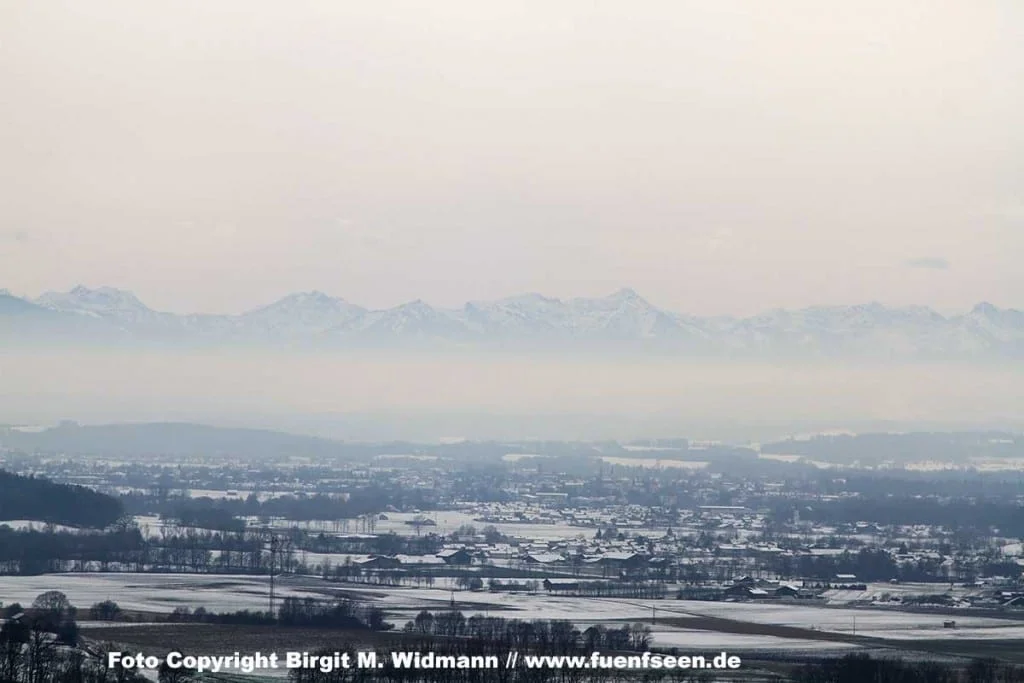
[621, 560]
[419, 560]
[745, 592]
[459, 556]
[553, 585]
[377, 562]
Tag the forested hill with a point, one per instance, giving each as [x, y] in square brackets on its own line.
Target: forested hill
[875, 449]
[29, 498]
[169, 439]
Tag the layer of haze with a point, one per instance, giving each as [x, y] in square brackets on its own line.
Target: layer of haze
[720, 156]
[377, 397]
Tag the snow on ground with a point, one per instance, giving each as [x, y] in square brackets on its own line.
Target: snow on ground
[403, 604]
[656, 463]
[881, 592]
[1015, 632]
[586, 611]
[449, 521]
[93, 625]
[241, 494]
[707, 640]
[445, 522]
[164, 592]
[150, 592]
[830, 619]
[26, 524]
[509, 605]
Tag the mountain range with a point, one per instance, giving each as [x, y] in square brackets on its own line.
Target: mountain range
[622, 321]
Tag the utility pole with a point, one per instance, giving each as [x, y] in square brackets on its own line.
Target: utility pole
[273, 552]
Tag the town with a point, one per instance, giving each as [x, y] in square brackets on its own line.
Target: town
[745, 549]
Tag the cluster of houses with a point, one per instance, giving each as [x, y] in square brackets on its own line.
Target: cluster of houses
[710, 553]
[444, 558]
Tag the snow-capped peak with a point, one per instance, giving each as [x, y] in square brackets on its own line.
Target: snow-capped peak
[417, 308]
[984, 308]
[101, 301]
[301, 313]
[314, 296]
[416, 319]
[622, 298]
[312, 300]
[625, 294]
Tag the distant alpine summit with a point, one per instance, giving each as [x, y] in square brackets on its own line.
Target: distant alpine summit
[621, 321]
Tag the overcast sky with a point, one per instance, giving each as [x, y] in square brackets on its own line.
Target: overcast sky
[718, 156]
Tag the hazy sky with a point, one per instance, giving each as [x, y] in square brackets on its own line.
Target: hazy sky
[718, 156]
[484, 397]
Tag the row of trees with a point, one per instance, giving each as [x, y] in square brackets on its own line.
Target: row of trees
[876, 564]
[370, 499]
[306, 612]
[188, 549]
[556, 636]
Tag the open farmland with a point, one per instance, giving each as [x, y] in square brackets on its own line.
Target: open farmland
[677, 623]
[158, 593]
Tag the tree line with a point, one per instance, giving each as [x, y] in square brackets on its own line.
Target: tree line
[551, 636]
[857, 668]
[42, 500]
[978, 516]
[370, 499]
[188, 549]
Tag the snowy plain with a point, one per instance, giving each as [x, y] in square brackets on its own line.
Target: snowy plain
[164, 592]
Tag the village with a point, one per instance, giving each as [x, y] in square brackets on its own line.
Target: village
[566, 526]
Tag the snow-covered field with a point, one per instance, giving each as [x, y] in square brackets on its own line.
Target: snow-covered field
[444, 523]
[403, 604]
[164, 592]
[149, 592]
[837, 620]
[450, 520]
[1002, 632]
[710, 640]
[880, 592]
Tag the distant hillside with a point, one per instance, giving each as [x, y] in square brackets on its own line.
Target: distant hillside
[168, 438]
[41, 500]
[873, 449]
[183, 439]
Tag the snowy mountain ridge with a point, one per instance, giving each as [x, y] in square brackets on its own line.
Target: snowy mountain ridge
[623, 319]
